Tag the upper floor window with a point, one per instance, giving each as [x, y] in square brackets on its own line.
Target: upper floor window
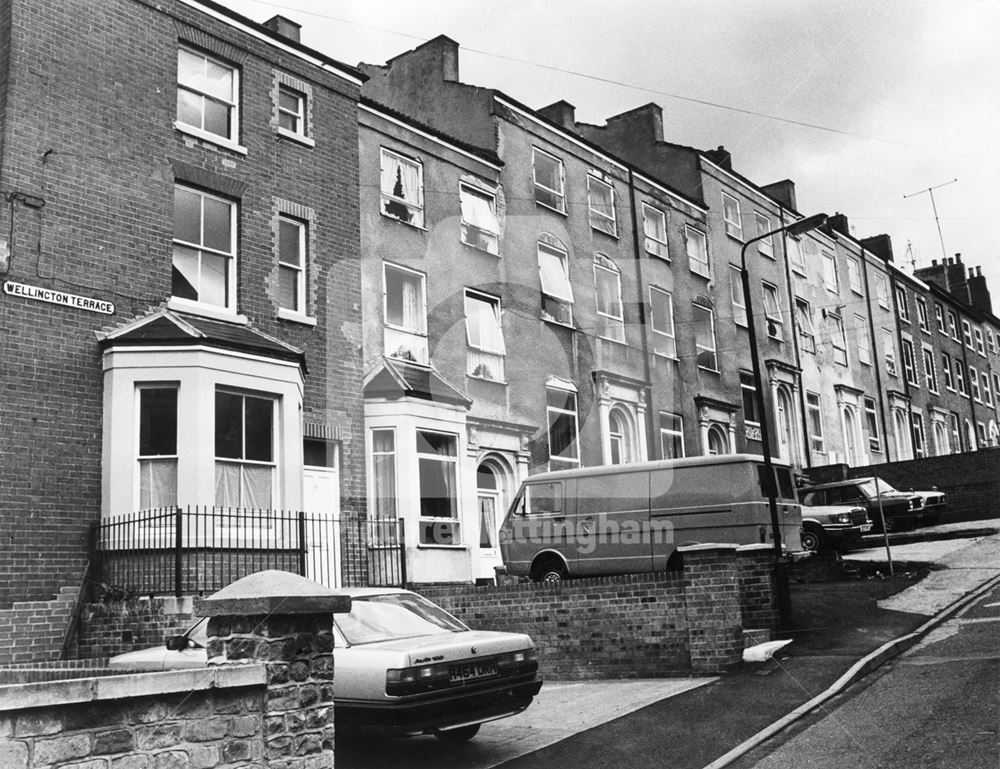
[207, 95]
[550, 180]
[405, 307]
[909, 364]
[987, 394]
[807, 332]
[661, 314]
[830, 279]
[731, 215]
[484, 332]
[871, 419]
[748, 389]
[204, 259]
[765, 246]
[794, 248]
[736, 292]
[930, 372]
[697, 251]
[922, 319]
[291, 110]
[608, 287]
[292, 244]
[838, 339]
[560, 407]
[902, 307]
[854, 275]
[772, 310]
[889, 350]
[953, 325]
[939, 318]
[960, 377]
[671, 435]
[814, 420]
[864, 341]
[980, 346]
[974, 381]
[557, 293]
[654, 227]
[991, 340]
[244, 450]
[480, 226]
[946, 371]
[703, 320]
[882, 290]
[402, 188]
[967, 333]
[601, 201]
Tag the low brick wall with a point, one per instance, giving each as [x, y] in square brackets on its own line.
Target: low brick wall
[636, 625]
[33, 631]
[971, 480]
[114, 627]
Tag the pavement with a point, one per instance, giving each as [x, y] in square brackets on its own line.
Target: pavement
[841, 630]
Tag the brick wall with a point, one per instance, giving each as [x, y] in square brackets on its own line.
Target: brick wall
[92, 134]
[630, 626]
[33, 631]
[111, 628]
[971, 480]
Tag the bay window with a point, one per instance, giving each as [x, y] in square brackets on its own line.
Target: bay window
[244, 451]
[157, 447]
[437, 463]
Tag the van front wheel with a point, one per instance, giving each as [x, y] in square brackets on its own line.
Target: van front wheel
[549, 570]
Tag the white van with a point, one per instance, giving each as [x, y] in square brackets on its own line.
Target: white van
[618, 519]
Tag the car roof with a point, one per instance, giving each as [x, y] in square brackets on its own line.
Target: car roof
[834, 484]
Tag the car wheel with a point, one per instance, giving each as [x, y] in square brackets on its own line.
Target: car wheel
[549, 570]
[459, 734]
[812, 540]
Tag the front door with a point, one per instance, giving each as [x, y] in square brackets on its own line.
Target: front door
[490, 511]
[321, 504]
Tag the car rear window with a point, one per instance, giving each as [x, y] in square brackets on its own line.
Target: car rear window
[392, 616]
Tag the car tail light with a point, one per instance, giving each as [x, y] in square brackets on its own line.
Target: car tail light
[423, 678]
[523, 661]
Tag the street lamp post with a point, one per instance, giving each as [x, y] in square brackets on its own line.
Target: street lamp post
[781, 577]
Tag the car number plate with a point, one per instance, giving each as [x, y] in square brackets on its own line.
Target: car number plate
[866, 526]
[471, 671]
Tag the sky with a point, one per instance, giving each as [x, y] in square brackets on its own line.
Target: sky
[860, 102]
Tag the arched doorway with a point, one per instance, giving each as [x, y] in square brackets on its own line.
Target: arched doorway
[902, 434]
[717, 440]
[621, 436]
[784, 420]
[493, 479]
[851, 439]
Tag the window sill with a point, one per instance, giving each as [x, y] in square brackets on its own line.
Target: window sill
[555, 322]
[857, 291]
[700, 274]
[604, 232]
[210, 138]
[709, 370]
[391, 218]
[474, 247]
[800, 272]
[286, 134]
[295, 317]
[500, 382]
[664, 356]
[766, 255]
[550, 208]
[738, 237]
[207, 311]
[662, 257]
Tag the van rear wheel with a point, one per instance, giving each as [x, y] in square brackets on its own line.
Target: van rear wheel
[549, 570]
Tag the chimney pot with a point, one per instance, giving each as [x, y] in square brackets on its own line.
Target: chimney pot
[934, 263]
[958, 258]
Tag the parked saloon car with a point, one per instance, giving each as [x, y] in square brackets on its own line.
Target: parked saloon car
[902, 510]
[935, 504]
[833, 527]
[403, 666]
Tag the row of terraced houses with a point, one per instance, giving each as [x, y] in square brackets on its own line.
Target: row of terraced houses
[242, 276]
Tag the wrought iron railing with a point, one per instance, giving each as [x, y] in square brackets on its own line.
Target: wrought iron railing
[197, 550]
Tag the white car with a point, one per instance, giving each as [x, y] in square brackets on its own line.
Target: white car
[403, 666]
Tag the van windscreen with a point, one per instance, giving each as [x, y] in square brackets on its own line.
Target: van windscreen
[786, 488]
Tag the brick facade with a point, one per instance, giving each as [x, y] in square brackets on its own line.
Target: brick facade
[93, 155]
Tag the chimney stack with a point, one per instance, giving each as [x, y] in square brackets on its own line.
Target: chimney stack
[286, 28]
[561, 112]
[783, 192]
[721, 157]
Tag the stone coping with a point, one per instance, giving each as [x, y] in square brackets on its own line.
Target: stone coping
[128, 685]
[707, 546]
[274, 592]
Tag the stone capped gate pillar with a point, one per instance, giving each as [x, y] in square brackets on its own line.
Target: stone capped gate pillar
[285, 622]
